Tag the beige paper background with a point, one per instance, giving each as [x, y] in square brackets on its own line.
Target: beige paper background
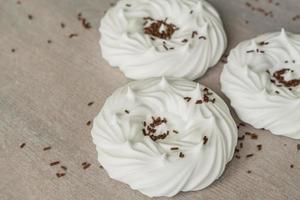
[45, 88]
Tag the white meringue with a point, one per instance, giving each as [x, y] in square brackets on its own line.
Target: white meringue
[258, 81]
[141, 55]
[195, 136]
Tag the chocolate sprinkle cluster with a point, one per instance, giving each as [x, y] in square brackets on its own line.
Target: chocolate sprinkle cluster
[154, 28]
[150, 129]
[206, 97]
[278, 75]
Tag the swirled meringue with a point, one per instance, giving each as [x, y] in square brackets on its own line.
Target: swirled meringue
[262, 80]
[153, 38]
[163, 136]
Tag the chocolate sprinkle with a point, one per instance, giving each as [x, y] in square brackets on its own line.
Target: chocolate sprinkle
[22, 145]
[54, 163]
[91, 103]
[249, 155]
[181, 155]
[127, 111]
[58, 175]
[73, 35]
[259, 147]
[174, 148]
[85, 165]
[47, 148]
[205, 139]
[89, 123]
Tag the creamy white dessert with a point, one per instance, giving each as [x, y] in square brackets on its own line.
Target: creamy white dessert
[262, 81]
[152, 38]
[162, 136]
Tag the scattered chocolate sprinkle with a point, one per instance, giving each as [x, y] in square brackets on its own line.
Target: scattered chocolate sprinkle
[277, 92]
[101, 167]
[205, 139]
[291, 166]
[54, 163]
[191, 12]
[174, 131]
[128, 5]
[166, 48]
[62, 25]
[112, 4]
[174, 148]
[194, 33]
[181, 155]
[30, 17]
[238, 157]
[184, 40]
[249, 155]
[187, 98]
[298, 147]
[259, 147]
[89, 123]
[58, 175]
[202, 37]
[86, 165]
[85, 23]
[127, 111]
[236, 150]
[22, 145]
[254, 136]
[249, 171]
[46, 148]
[64, 167]
[73, 35]
[199, 101]
[241, 137]
[13, 50]
[49, 41]
[250, 51]
[241, 145]
[91, 103]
